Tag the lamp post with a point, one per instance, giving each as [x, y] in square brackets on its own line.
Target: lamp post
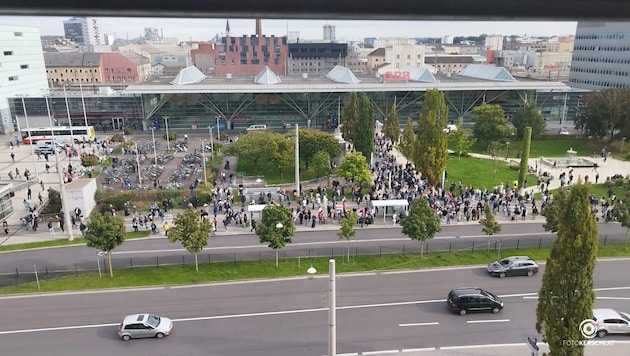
[138, 163]
[211, 142]
[168, 139]
[623, 139]
[65, 94]
[297, 161]
[332, 309]
[62, 191]
[507, 148]
[82, 99]
[218, 130]
[28, 127]
[154, 149]
[203, 159]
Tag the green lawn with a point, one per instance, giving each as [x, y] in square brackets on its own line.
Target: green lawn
[550, 146]
[64, 242]
[479, 172]
[270, 172]
[244, 270]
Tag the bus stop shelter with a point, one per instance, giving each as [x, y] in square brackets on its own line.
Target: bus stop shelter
[255, 208]
[395, 205]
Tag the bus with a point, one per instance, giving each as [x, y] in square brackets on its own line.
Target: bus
[62, 134]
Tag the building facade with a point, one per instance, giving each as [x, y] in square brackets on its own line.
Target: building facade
[405, 55]
[22, 70]
[494, 42]
[601, 56]
[315, 58]
[329, 33]
[376, 59]
[84, 31]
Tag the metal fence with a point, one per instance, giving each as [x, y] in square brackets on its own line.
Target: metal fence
[45, 273]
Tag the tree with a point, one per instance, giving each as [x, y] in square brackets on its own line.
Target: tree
[350, 118]
[422, 223]
[524, 166]
[551, 211]
[566, 297]
[354, 165]
[621, 213]
[276, 227]
[461, 141]
[431, 144]
[407, 140]
[191, 231]
[90, 160]
[105, 232]
[364, 136]
[605, 112]
[321, 164]
[313, 141]
[347, 228]
[490, 124]
[254, 146]
[526, 116]
[391, 126]
[282, 152]
[490, 225]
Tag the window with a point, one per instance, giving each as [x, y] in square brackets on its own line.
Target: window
[24, 66]
[8, 53]
[13, 78]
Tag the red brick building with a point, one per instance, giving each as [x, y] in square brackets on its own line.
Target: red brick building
[242, 55]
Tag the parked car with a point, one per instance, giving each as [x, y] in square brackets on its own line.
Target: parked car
[469, 299]
[138, 326]
[256, 128]
[450, 128]
[43, 147]
[513, 266]
[610, 321]
[563, 131]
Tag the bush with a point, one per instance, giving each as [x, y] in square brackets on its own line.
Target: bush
[128, 144]
[89, 160]
[54, 202]
[118, 199]
[117, 138]
[172, 136]
[224, 137]
[128, 130]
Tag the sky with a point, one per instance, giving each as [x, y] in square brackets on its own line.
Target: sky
[205, 29]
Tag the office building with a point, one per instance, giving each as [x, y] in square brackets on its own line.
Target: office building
[601, 56]
[22, 70]
[329, 33]
[84, 31]
[494, 42]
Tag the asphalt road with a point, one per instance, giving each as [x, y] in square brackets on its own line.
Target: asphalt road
[371, 240]
[384, 311]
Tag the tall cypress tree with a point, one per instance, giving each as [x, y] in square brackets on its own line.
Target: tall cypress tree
[566, 297]
[431, 144]
[522, 173]
[349, 118]
[391, 126]
[364, 140]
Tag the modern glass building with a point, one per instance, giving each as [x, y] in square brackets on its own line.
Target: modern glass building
[193, 101]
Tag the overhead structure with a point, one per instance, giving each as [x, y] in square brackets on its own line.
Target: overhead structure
[267, 76]
[188, 75]
[341, 74]
[417, 74]
[479, 71]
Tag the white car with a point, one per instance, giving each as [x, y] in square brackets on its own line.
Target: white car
[256, 128]
[450, 128]
[563, 131]
[610, 321]
[137, 326]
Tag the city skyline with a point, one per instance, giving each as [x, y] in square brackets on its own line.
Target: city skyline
[206, 29]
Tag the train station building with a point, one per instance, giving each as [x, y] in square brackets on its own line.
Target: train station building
[194, 101]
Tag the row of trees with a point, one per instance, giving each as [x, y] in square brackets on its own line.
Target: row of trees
[605, 114]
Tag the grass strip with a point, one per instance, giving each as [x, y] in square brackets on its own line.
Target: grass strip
[63, 242]
[244, 270]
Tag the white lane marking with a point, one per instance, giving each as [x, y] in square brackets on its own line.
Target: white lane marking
[463, 347]
[533, 297]
[381, 352]
[419, 324]
[421, 349]
[487, 321]
[348, 354]
[613, 298]
[57, 328]
[100, 291]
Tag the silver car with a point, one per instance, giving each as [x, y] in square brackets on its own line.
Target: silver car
[610, 321]
[138, 326]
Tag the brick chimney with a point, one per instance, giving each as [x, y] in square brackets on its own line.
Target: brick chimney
[259, 27]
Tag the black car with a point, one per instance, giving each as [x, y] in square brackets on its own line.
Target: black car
[465, 300]
[513, 266]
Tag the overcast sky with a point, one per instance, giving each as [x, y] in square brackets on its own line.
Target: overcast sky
[198, 29]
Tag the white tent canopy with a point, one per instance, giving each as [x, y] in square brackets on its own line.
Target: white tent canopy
[398, 204]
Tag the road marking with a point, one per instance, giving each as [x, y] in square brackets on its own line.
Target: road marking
[613, 298]
[487, 321]
[421, 349]
[420, 324]
[381, 352]
[57, 328]
[463, 347]
[101, 291]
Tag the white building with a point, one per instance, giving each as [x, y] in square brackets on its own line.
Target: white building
[392, 41]
[494, 42]
[447, 39]
[329, 33]
[22, 69]
[405, 55]
[84, 31]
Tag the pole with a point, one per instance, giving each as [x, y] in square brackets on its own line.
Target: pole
[218, 130]
[65, 94]
[211, 142]
[98, 263]
[564, 108]
[297, 160]
[37, 277]
[203, 158]
[332, 309]
[83, 104]
[168, 140]
[28, 127]
[138, 163]
[62, 192]
[154, 149]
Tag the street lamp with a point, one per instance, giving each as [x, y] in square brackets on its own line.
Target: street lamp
[65, 94]
[154, 149]
[211, 141]
[203, 158]
[279, 225]
[62, 192]
[623, 139]
[138, 164]
[507, 148]
[30, 139]
[168, 139]
[332, 309]
[82, 97]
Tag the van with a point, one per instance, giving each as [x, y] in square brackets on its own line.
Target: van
[465, 300]
[256, 128]
[46, 147]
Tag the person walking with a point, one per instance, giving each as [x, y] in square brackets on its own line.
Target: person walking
[5, 227]
[51, 229]
[13, 157]
[29, 193]
[166, 227]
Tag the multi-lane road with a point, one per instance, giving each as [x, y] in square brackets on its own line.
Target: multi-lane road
[376, 312]
[371, 240]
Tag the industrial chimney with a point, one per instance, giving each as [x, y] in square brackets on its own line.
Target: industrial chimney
[259, 27]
